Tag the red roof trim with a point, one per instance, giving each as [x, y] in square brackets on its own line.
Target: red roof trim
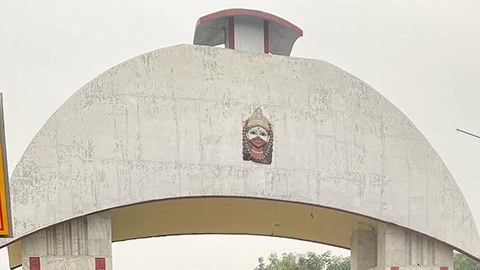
[249, 12]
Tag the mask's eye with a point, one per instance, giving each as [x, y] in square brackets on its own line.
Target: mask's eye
[253, 132]
[263, 134]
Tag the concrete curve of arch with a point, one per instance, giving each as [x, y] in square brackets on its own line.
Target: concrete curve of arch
[167, 125]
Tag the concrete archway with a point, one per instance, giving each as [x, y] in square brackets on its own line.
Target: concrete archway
[164, 131]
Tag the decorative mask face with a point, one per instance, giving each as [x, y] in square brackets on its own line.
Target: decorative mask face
[257, 138]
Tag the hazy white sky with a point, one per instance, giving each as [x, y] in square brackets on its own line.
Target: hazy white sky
[424, 56]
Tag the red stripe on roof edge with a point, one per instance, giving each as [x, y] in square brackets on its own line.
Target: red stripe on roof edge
[249, 12]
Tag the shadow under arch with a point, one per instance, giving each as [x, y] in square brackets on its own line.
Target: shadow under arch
[237, 216]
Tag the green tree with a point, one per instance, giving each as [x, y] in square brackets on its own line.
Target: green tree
[327, 261]
[462, 262]
[308, 261]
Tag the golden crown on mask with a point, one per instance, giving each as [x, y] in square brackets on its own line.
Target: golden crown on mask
[257, 119]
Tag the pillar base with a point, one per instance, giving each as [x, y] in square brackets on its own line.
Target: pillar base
[398, 249]
[81, 244]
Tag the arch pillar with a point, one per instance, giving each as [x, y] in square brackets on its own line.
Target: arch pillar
[84, 243]
[394, 248]
[363, 250]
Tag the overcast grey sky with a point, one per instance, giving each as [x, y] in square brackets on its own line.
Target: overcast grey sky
[424, 56]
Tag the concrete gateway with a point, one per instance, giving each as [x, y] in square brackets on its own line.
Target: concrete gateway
[196, 139]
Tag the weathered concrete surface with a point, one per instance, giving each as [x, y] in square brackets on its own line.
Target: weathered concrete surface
[168, 124]
[387, 247]
[72, 245]
[409, 251]
[363, 250]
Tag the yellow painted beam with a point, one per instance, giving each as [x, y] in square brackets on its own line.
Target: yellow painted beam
[15, 254]
[4, 194]
[237, 216]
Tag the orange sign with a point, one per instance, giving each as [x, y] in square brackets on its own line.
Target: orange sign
[4, 194]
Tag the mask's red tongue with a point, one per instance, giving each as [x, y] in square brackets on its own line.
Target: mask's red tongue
[258, 142]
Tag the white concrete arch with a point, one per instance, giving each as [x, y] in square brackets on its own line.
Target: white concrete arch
[168, 125]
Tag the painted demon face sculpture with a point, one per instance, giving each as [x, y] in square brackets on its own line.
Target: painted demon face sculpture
[257, 138]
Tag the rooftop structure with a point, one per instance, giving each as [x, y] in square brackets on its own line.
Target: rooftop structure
[247, 30]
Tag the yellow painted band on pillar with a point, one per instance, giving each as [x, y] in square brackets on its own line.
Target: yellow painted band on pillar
[4, 200]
